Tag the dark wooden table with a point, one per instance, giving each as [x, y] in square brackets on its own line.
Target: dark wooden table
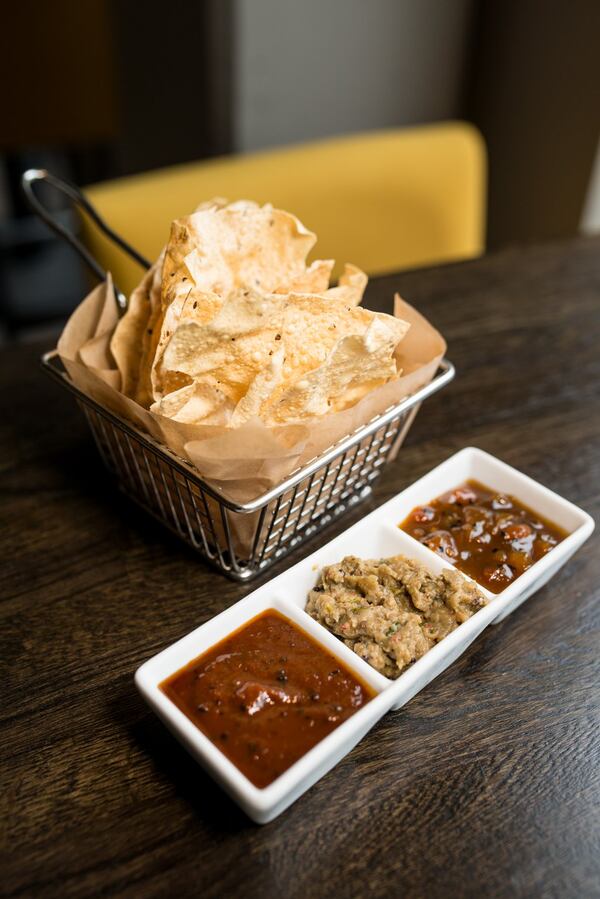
[486, 784]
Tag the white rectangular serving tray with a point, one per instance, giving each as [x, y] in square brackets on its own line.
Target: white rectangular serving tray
[375, 536]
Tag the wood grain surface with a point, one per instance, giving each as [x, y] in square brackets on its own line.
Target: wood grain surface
[486, 784]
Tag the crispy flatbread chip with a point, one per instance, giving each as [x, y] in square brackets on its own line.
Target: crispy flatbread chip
[194, 403]
[259, 391]
[231, 324]
[134, 341]
[238, 245]
[196, 306]
[313, 326]
[222, 248]
[229, 351]
[356, 365]
[314, 280]
[258, 348]
[351, 286]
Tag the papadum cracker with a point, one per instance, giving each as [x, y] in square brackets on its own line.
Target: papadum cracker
[236, 353]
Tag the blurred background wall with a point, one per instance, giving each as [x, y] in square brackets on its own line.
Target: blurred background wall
[106, 88]
[316, 68]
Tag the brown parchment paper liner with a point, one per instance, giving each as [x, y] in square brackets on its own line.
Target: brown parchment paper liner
[247, 461]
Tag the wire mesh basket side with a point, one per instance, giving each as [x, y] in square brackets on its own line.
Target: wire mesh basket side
[147, 476]
[243, 544]
[346, 480]
[243, 539]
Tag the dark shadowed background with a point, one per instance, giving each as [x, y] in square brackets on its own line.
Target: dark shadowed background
[105, 88]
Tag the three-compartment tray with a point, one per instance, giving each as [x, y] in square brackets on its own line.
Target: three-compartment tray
[375, 536]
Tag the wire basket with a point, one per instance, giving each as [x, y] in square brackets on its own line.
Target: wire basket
[173, 491]
[240, 539]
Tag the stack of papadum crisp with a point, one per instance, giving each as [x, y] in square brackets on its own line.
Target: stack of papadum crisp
[237, 355]
[231, 325]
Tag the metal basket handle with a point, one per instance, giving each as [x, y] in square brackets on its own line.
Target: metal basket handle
[77, 198]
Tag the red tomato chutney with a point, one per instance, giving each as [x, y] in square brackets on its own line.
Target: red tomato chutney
[266, 694]
[490, 536]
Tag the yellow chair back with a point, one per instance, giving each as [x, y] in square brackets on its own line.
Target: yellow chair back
[383, 200]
